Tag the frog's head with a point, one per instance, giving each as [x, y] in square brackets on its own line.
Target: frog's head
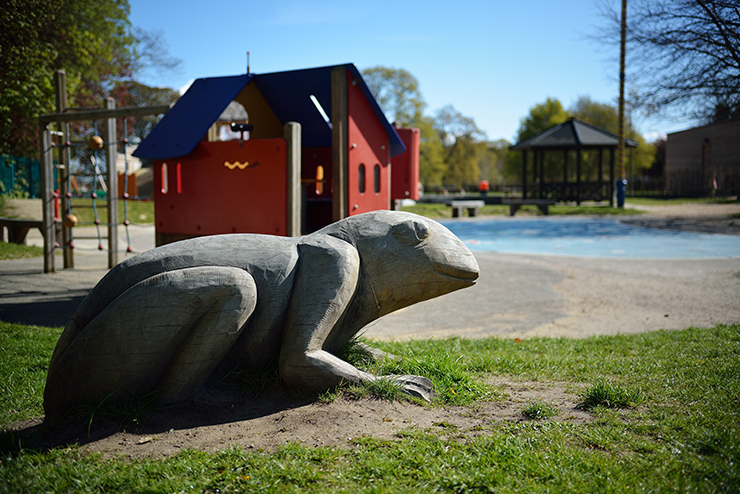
[406, 258]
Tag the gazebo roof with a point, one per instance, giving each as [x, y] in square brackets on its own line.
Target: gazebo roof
[570, 135]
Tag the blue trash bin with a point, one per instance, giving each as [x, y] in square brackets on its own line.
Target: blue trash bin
[621, 192]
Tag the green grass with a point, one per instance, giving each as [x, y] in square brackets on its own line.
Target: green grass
[677, 201]
[680, 430]
[537, 410]
[436, 210]
[606, 394]
[15, 251]
[139, 212]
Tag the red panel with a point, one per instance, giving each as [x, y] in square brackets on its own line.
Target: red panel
[405, 167]
[205, 196]
[368, 145]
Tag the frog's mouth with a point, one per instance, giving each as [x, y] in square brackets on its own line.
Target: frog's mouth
[466, 273]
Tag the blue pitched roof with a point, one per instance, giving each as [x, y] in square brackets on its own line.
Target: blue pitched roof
[187, 122]
[288, 94]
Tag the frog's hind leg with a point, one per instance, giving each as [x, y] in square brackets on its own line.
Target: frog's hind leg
[165, 333]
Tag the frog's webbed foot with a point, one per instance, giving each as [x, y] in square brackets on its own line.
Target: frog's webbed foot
[416, 386]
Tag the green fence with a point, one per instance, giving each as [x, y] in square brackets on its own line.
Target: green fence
[20, 177]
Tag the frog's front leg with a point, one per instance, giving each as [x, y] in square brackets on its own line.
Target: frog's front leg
[324, 284]
[165, 333]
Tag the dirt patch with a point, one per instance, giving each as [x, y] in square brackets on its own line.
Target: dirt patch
[278, 418]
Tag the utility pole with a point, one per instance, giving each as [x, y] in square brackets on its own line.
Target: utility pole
[620, 146]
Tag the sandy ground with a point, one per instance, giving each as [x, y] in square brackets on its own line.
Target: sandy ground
[517, 296]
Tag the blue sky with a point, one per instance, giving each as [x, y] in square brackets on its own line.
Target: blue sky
[492, 60]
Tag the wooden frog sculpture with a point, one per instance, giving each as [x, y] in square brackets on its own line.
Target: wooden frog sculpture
[163, 320]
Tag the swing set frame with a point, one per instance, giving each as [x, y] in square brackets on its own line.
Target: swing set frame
[64, 115]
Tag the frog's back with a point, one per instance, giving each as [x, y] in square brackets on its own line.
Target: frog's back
[271, 261]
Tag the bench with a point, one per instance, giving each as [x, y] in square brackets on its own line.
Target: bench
[542, 204]
[18, 229]
[471, 206]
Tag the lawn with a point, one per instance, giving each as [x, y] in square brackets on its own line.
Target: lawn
[677, 201]
[15, 251]
[137, 212]
[664, 405]
[438, 210]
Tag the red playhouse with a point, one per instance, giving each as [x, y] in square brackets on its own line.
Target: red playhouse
[284, 153]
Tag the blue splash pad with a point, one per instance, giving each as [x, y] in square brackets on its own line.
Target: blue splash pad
[590, 237]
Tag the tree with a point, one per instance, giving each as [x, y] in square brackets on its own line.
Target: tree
[492, 159]
[541, 117]
[683, 55]
[432, 166]
[398, 94]
[462, 141]
[93, 42]
[605, 117]
[137, 94]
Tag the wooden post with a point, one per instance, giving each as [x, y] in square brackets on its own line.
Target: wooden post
[542, 173]
[620, 121]
[293, 141]
[47, 196]
[611, 178]
[339, 144]
[110, 158]
[601, 171]
[565, 174]
[60, 83]
[578, 176]
[524, 173]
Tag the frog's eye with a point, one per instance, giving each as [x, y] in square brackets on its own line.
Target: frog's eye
[411, 232]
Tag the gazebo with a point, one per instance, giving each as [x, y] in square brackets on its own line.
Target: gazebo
[572, 136]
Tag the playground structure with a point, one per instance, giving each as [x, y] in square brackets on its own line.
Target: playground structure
[52, 198]
[289, 170]
[315, 148]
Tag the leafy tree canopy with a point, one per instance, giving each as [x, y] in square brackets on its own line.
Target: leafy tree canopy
[93, 42]
[397, 92]
[541, 117]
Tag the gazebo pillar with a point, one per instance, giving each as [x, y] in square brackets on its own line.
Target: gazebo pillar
[542, 173]
[565, 175]
[534, 172]
[578, 175]
[601, 170]
[524, 174]
[611, 178]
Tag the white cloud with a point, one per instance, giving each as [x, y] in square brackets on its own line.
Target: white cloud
[187, 85]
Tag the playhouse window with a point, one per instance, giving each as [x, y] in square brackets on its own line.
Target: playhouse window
[319, 180]
[361, 178]
[165, 185]
[376, 178]
[179, 178]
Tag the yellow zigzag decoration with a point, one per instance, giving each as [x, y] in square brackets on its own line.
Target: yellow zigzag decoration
[241, 166]
[231, 166]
